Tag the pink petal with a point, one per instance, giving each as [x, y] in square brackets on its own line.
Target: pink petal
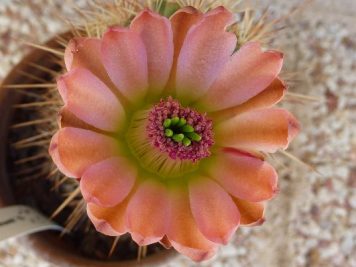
[195, 254]
[67, 119]
[248, 73]
[165, 242]
[244, 176]
[252, 213]
[98, 216]
[149, 201]
[124, 57]
[156, 33]
[206, 50]
[110, 220]
[213, 209]
[108, 182]
[267, 98]
[183, 232]
[85, 53]
[74, 150]
[78, 50]
[263, 130]
[181, 22]
[91, 100]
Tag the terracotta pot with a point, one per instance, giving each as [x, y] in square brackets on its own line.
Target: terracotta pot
[47, 245]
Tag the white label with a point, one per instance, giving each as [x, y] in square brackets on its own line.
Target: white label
[22, 220]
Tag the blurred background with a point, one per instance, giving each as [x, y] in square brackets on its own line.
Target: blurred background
[312, 222]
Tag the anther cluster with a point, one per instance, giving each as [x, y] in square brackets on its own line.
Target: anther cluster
[181, 132]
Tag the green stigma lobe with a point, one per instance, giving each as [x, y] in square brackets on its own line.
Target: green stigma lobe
[168, 133]
[178, 137]
[194, 136]
[181, 122]
[186, 141]
[180, 131]
[167, 123]
[174, 121]
[187, 129]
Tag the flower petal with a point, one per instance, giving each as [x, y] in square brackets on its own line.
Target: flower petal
[149, 201]
[165, 242]
[252, 213]
[78, 50]
[213, 209]
[205, 51]
[109, 221]
[67, 119]
[91, 100]
[248, 73]
[85, 53]
[98, 216]
[183, 232]
[181, 22]
[125, 60]
[243, 175]
[267, 98]
[156, 33]
[74, 150]
[263, 129]
[108, 182]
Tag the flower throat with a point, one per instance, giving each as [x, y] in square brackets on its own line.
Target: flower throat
[182, 133]
[168, 139]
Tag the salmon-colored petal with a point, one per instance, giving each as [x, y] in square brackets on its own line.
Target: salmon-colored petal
[73, 150]
[98, 216]
[267, 98]
[149, 202]
[78, 50]
[85, 53]
[252, 213]
[67, 119]
[109, 220]
[248, 73]
[165, 242]
[54, 153]
[183, 232]
[181, 22]
[124, 57]
[91, 100]
[263, 129]
[108, 182]
[156, 33]
[195, 254]
[213, 210]
[206, 50]
[243, 175]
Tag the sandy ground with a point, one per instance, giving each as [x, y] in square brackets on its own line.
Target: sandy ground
[312, 222]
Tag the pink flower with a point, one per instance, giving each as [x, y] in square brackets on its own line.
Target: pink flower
[164, 124]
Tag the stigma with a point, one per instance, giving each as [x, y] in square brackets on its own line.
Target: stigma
[181, 132]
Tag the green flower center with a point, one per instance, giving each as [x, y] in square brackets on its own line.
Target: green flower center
[168, 139]
[180, 131]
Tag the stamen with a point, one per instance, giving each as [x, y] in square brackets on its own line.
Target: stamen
[169, 139]
[182, 133]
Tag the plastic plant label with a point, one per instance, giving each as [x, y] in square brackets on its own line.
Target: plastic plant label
[21, 220]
